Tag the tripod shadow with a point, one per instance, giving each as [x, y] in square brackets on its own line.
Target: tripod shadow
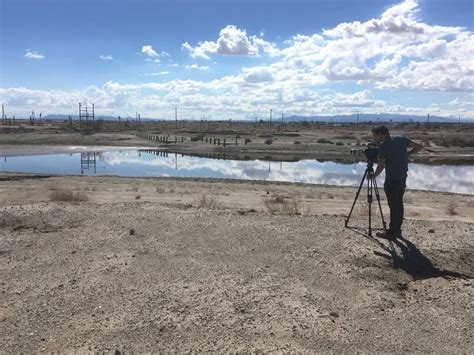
[406, 256]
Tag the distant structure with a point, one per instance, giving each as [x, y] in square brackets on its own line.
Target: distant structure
[86, 116]
[4, 117]
[32, 118]
[270, 120]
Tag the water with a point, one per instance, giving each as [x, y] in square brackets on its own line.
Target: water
[448, 178]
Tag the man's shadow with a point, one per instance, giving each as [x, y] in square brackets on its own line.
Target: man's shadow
[406, 256]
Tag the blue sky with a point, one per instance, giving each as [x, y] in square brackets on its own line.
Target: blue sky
[220, 59]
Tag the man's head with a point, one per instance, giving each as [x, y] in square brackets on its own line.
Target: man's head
[380, 133]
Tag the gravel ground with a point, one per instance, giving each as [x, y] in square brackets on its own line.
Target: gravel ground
[171, 271]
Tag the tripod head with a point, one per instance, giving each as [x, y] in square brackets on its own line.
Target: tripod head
[370, 166]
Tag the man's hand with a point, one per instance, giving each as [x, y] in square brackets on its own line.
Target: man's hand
[378, 171]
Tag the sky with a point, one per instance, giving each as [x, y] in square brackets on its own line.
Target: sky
[230, 59]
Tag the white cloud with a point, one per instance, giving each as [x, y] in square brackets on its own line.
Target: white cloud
[106, 57]
[463, 103]
[155, 60]
[406, 8]
[396, 51]
[149, 51]
[258, 75]
[195, 66]
[33, 54]
[232, 41]
[156, 74]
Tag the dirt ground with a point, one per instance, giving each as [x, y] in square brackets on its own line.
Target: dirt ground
[150, 264]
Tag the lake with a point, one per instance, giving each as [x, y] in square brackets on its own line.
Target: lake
[447, 178]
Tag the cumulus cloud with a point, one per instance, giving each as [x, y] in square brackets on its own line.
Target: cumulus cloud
[396, 51]
[149, 51]
[258, 75]
[232, 41]
[106, 57]
[33, 54]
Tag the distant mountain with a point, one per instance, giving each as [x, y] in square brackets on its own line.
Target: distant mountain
[384, 117]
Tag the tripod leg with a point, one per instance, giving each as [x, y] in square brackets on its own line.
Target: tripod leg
[369, 201]
[377, 195]
[357, 195]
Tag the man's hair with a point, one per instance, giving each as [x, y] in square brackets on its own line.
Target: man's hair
[380, 130]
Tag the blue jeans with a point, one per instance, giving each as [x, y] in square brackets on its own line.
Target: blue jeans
[394, 189]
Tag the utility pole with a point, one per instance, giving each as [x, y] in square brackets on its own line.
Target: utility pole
[3, 114]
[282, 118]
[357, 124]
[270, 120]
[80, 116]
[176, 117]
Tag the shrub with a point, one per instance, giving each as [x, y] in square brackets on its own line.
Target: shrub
[209, 202]
[278, 204]
[247, 140]
[452, 209]
[197, 138]
[297, 142]
[269, 141]
[339, 143]
[324, 140]
[68, 196]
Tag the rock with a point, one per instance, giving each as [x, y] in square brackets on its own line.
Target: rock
[431, 231]
[334, 314]
[132, 231]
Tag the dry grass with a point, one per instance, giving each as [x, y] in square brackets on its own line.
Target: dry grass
[451, 208]
[208, 202]
[281, 205]
[68, 196]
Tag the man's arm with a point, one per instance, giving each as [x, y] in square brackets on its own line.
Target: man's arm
[415, 147]
[378, 171]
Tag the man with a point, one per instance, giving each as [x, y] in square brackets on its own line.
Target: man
[393, 157]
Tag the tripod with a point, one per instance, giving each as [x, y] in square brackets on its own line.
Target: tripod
[371, 186]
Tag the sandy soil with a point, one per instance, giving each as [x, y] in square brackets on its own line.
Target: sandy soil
[148, 264]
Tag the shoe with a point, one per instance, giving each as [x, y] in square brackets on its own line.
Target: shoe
[386, 235]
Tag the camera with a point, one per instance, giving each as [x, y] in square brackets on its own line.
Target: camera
[371, 152]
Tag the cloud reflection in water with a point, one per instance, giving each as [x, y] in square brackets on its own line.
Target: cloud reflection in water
[447, 178]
